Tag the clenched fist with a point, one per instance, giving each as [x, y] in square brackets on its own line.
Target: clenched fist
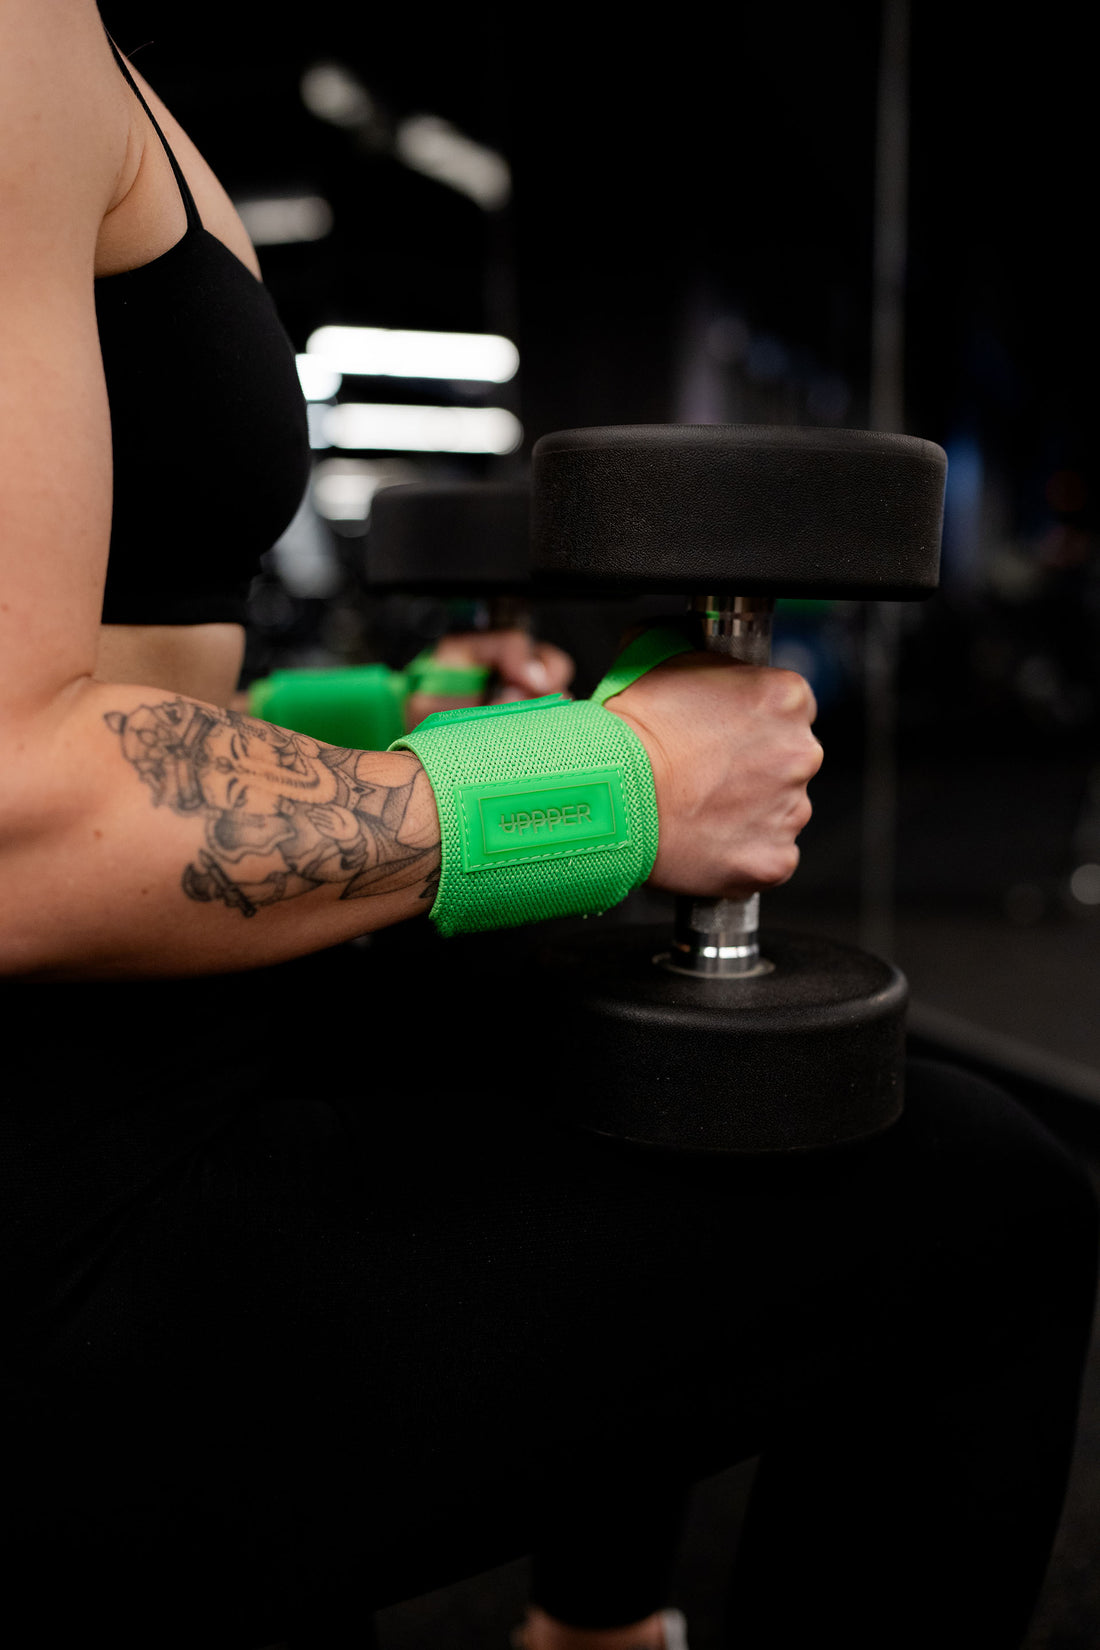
[732, 754]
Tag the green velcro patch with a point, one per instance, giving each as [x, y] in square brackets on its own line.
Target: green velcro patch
[542, 816]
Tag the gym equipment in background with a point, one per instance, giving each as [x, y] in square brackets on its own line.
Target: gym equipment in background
[464, 540]
[467, 540]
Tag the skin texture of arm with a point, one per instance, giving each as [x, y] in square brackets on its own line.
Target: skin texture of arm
[171, 823]
[106, 868]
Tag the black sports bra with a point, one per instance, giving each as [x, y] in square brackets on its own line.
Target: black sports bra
[208, 424]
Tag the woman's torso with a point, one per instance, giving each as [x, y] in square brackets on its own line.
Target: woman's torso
[147, 218]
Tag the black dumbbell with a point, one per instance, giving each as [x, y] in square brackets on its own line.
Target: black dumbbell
[714, 1037]
[468, 540]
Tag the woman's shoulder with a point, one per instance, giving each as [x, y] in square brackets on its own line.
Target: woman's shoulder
[65, 125]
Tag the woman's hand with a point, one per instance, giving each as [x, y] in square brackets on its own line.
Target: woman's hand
[732, 754]
[521, 667]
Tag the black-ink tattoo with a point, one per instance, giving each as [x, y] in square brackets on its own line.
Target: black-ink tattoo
[282, 814]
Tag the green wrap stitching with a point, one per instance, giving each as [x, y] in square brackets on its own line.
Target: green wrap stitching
[546, 809]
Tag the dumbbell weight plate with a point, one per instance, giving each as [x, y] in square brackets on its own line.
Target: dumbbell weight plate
[805, 1057]
[450, 538]
[754, 509]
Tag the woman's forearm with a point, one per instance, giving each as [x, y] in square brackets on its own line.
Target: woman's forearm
[151, 834]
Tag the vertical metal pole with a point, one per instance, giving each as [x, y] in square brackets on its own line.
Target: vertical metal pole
[887, 412]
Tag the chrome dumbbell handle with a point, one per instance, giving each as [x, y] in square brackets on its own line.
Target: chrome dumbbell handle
[719, 937]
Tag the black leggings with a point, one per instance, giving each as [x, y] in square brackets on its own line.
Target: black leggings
[294, 1338]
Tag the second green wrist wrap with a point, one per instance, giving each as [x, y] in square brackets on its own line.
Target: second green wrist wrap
[361, 706]
[425, 676]
[546, 809]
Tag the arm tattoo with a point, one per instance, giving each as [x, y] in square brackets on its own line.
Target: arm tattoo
[281, 813]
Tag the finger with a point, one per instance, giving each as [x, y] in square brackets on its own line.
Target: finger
[520, 662]
[805, 700]
[459, 650]
[560, 668]
[511, 654]
[514, 656]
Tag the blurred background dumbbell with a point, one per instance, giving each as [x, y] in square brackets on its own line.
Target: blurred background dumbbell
[713, 1036]
[466, 542]
[464, 545]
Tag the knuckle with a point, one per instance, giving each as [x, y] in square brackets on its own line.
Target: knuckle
[790, 692]
[811, 757]
[803, 760]
[788, 865]
[771, 866]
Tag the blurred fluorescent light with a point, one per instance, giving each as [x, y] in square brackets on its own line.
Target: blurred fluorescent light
[1085, 884]
[303, 556]
[345, 498]
[344, 487]
[315, 412]
[439, 150]
[333, 93]
[281, 220]
[319, 381]
[381, 427]
[379, 352]
[426, 143]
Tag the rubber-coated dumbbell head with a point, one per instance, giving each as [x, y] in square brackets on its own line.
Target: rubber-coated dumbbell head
[758, 509]
[806, 1057]
[450, 538]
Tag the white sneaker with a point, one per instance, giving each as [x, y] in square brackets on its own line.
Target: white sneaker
[673, 1625]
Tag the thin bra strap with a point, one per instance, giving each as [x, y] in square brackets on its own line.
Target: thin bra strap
[193, 219]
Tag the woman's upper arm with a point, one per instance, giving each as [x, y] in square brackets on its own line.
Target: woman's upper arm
[63, 136]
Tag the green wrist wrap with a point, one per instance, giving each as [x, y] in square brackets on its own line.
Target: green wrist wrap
[463, 681]
[546, 807]
[361, 706]
[645, 652]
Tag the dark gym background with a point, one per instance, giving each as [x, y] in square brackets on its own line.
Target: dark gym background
[868, 213]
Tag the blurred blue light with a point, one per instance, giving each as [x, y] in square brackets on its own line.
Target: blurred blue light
[767, 359]
[962, 508]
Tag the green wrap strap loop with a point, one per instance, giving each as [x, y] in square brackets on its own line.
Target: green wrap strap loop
[644, 653]
[359, 706]
[546, 809]
[445, 681]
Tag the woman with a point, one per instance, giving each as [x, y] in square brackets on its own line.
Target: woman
[304, 1313]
